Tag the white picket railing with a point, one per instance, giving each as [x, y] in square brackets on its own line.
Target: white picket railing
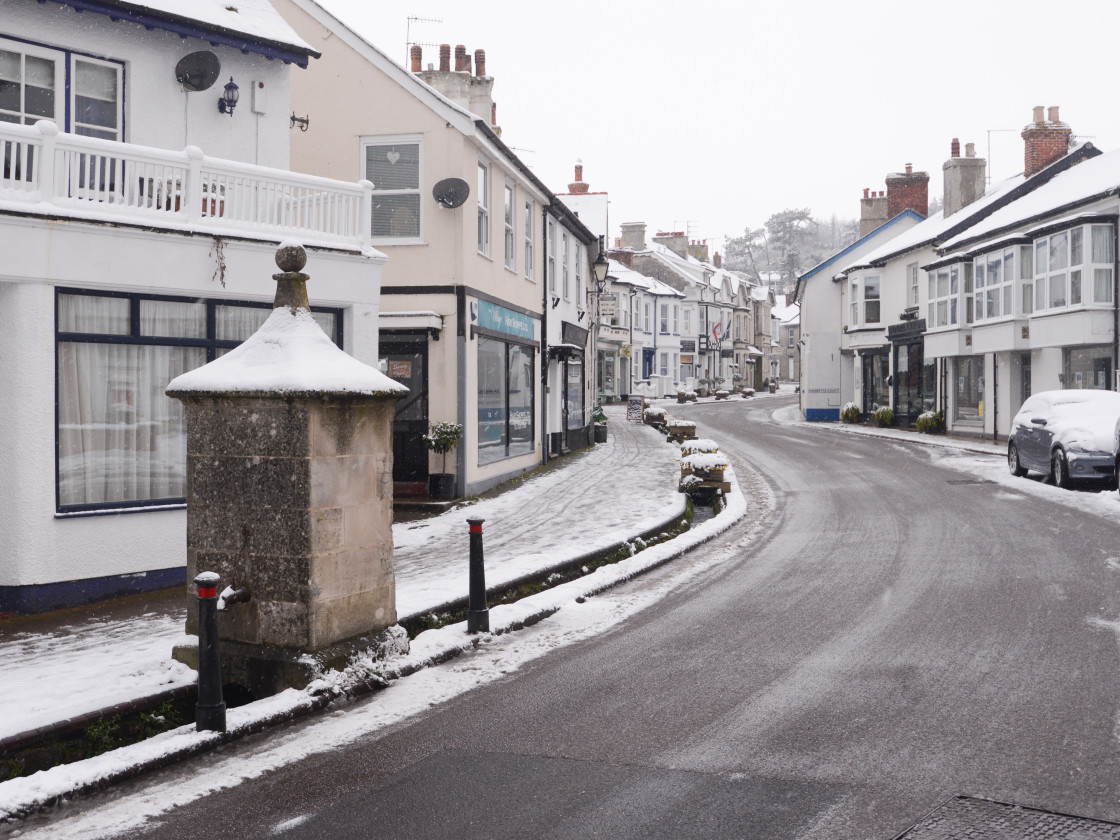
[89, 175]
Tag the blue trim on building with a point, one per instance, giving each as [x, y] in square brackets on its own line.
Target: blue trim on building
[188, 28]
[74, 593]
[820, 267]
[818, 415]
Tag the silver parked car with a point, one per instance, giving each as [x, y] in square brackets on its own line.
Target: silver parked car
[1070, 436]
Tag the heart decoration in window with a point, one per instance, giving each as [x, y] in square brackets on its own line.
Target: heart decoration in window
[393, 156]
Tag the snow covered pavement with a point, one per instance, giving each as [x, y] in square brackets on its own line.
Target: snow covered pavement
[610, 493]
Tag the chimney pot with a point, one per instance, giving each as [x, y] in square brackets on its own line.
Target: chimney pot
[480, 63]
[460, 58]
[909, 168]
[866, 192]
[955, 147]
[579, 171]
[1038, 114]
[445, 58]
[417, 57]
[970, 150]
[1052, 114]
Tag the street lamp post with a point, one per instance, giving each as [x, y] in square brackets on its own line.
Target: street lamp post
[600, 268]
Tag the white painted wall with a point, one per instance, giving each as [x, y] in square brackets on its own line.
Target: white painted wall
[157, 111]
[36, 545]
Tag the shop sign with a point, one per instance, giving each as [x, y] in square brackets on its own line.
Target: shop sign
[688, 345]
[608, 306]
[400, 369]
[498, 318]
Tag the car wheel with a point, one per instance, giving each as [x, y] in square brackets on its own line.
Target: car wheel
[1059, 470]
[1013, 465]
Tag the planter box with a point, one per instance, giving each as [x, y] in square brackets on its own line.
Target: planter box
[441, 485]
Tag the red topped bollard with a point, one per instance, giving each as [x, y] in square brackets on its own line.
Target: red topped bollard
[210, 711]
[478, 614]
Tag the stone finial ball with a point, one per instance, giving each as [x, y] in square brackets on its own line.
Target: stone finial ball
[291, 256]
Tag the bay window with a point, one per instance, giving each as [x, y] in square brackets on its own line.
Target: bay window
[1069, 274]
[951, 296]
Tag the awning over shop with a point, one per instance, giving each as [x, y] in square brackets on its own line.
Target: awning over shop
[564, 351]
[419, 320]
[753, 351]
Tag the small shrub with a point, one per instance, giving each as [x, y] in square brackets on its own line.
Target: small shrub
[884, 416]
[931, 422]
[850, 413]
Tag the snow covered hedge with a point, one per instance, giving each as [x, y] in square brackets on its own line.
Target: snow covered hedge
[884, 416]
[930, 422]
[850, 413]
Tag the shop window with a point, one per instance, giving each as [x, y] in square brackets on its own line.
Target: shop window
[506, 420]
[121, 441]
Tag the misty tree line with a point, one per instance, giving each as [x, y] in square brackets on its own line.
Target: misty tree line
[790, 243]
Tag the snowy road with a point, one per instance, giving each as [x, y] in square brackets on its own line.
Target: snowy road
[895, 624]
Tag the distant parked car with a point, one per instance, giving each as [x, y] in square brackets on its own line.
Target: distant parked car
[1068, 435]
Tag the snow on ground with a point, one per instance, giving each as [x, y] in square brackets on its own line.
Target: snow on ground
[495, 657]
[104, 662]
[556, 516]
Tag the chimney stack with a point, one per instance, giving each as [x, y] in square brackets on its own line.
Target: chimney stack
[908, 191]
[872, 211]
[417, 58]
[963, 177]
[445, 58]
[634, 235]
[468, 91]
[578, 186]
[1045, 141]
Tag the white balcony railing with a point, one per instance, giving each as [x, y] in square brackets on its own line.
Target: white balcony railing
[93, 178]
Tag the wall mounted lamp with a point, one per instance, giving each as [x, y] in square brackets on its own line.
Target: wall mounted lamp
[228, 100]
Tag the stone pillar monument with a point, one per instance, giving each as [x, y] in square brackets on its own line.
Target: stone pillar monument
[289, 494]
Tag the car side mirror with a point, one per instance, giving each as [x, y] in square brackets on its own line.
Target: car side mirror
[1039, 421]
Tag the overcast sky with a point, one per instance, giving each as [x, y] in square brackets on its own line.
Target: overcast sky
[712, 116]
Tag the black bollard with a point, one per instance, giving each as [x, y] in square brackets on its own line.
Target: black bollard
[210, 711]
[478, 614]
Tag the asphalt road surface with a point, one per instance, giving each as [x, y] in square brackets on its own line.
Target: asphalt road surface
[888, 635]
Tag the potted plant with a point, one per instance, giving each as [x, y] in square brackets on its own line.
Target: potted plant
[441, 439]
[850, 413]
[599, 418]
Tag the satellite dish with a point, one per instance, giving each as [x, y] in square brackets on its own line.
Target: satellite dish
[451, 192]
[198, 71]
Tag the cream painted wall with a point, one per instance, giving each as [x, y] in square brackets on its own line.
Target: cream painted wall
[157, 111]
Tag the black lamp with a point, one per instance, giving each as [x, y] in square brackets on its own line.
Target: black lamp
[228, 100]
[600, 267]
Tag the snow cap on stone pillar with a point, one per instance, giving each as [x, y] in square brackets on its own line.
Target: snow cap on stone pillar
[289, 355]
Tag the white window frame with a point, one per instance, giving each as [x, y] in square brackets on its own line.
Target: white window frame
[565, 269]
[396, 140]
[483, 178]
[1080, 273]
[510, 248]
[530, 226]
[912, 271]
[551, 245]
[949, 300]
[60, 74]
[580, 260]
[686, 321]
[118, 93]
[869, 302]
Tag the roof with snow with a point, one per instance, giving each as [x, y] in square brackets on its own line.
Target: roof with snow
[621, 273]
[289, 356]
[252, 26]
[885, 228]
[1087, 181]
